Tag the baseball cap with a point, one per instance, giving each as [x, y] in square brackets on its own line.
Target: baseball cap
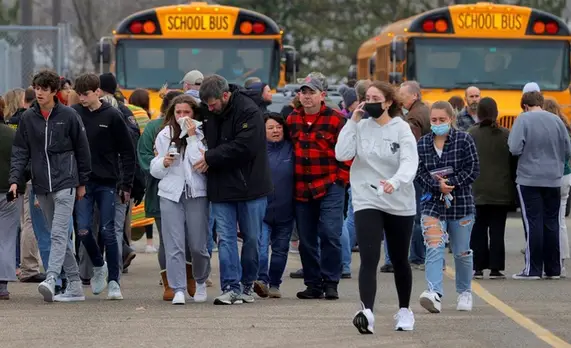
[313, 84]
[531, 87]
[193, 77]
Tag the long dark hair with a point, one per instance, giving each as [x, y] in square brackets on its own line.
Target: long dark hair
[487, 112]
[170, 119]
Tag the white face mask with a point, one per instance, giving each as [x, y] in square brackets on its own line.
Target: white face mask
[182, 123]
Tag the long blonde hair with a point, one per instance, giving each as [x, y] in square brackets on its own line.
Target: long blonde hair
[14, 100]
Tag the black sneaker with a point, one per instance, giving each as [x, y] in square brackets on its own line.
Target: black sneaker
[297, 274]
[331, 292]
[497, 275]
[478, 275]
[85, 282]
[387, 269]
[310, 293]
[346, 276]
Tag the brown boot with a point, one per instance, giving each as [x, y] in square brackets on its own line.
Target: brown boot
[168, 295]
[190, 282]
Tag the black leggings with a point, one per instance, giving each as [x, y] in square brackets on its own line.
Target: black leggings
[369, 225]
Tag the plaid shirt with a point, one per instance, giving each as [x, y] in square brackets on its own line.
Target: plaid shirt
[314, 150]
[459, 152]
[464, 120]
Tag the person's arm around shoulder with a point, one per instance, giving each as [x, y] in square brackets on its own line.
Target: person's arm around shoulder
[250, 135]
[516, 140]
[408, 156]
[161, 163]
[81, 149]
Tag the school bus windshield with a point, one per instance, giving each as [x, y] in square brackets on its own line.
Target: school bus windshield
[151, 63]
[488, 63]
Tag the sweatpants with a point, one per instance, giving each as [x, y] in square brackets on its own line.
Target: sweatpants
[9, 220]
[185, 221]
[161, 253]
[540, 214]
[58, 209]
[369, 225]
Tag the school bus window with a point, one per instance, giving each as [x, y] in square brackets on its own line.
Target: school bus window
[151, 62]
[151, 59]
[490, 63]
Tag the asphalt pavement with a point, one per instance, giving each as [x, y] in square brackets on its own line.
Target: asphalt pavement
[507, 313]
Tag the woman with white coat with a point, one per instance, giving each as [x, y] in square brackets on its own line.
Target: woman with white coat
[182, 194]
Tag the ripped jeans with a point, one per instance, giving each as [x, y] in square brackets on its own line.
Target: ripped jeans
[436, 234]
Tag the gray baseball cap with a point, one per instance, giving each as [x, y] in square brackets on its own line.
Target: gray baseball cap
[313, 84]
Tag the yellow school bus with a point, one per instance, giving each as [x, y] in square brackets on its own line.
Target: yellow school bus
[498, 48]
[160, 45]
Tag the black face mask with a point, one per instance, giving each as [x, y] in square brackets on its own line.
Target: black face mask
[375, 110]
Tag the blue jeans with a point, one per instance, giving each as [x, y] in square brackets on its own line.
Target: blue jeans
[249, 215]
[43, 235]
[104, 197]
[417, 248]
[348, 237]
[210, 243]
[386, 251]
[319, 223]
[436, 234]
[278, 235]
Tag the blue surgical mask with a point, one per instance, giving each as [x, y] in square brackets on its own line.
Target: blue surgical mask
[238, 71]
[440, 129]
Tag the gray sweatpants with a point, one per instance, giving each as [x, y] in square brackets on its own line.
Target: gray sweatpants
[9, 221]
[58, 208]
[173, 216]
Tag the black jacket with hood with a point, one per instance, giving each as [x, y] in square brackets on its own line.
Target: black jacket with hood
[15, 119]
[108, 137]
[57, 149]
[256, 95]
[237, 156]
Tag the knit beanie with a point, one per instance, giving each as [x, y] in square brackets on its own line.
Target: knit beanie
[348, 94]
[108, 83]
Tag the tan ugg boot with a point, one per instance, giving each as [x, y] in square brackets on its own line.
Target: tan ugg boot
[190, 282]
[168, 294]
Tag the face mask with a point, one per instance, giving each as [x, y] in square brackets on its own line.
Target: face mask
[405, 111]
[237, 71]
[375, 110]
[440, 129]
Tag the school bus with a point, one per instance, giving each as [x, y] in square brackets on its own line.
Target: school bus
[160, 45]
[497, 48]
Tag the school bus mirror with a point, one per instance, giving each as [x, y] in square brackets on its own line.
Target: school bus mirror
[103, 53]
[395, 78]
[398, 51]
[292, 62]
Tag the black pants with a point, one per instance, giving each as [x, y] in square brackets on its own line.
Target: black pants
[540, 214]
[487, 241]
[369, 225]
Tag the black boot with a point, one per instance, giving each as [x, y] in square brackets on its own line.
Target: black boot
[331, 291]
[311, 293]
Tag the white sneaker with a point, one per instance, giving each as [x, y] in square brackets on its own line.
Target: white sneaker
[364, 321]
[114, 291]
[200, 295]
[563, 272]
[430, 301]
[179, 298]
[99, 279]
[47, 289]
[150, 249]
[464, 302]
[405, 320]
[73, 293]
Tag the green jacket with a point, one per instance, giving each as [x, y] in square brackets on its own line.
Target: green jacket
[146, 153]
[7, 135]
[496, 183]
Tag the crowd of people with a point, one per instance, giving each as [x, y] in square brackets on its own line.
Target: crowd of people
[215, 165]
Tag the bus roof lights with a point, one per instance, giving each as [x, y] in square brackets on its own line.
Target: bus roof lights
[552, 28]
[539, 28]
[136, 27]
[259, 28]
[246, 27]
[441, 25]
[428, 26]
[149, 27]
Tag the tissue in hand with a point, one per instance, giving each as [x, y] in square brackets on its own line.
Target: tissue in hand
[182, 122]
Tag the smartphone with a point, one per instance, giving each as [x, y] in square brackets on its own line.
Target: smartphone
[10, 196]
[174, 155]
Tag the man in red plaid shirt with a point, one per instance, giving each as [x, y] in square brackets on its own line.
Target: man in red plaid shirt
[320, 182]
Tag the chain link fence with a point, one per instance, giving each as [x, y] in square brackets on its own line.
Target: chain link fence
[25, 50]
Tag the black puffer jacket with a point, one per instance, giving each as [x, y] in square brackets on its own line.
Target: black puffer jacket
[57, 149]
[237, 154]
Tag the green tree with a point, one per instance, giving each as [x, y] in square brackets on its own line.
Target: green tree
[9, 14]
